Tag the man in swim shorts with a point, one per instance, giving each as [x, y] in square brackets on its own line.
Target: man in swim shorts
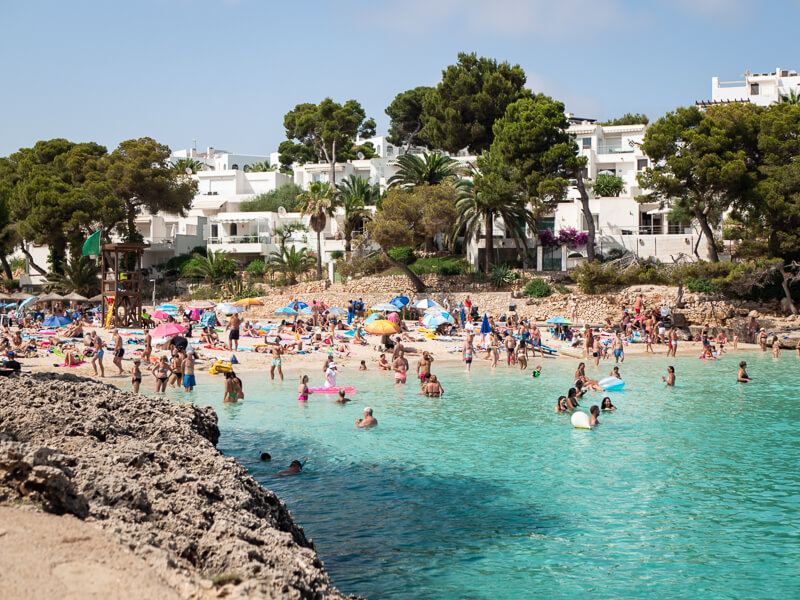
[275, 363]
[119, 351]
[400, 366]
[619, 352]
[424, 367]
[188, 373]
[233, 337]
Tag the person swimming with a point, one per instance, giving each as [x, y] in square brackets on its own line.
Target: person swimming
[742, 377]
[561, 404]
[670, 378]
[294, 469]
[615, 373]
[265, 456]
[368, 420]
[572, 399]
[537, 371]
[342, 399]
[606, 404]
[594, 411]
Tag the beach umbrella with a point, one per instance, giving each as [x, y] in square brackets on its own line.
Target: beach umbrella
[373, 317]
[228, 308]
[51, 297]
[336, 311]
[385, 307]
[425, 303]
[399, 301]
[434, 319]
[558, 321]
[167, 330]
[98, 298]
[160, 314]
[485, 328]
[167, 307]
[27, 302]
[248, 302]
[285, 310]
[57, 321]
[382, 327]
[75, 297]
[20, 296]
[201, 304]
[306, 310]
[300, 305]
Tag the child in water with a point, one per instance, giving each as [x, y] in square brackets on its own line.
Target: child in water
[537, 371]
[362, 366]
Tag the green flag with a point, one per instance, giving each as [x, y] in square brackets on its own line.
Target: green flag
[91, 247]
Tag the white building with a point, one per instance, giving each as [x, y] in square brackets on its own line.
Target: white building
[620, 222]
[762, 89]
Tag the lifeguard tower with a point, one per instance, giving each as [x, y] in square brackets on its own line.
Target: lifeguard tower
[121, 273]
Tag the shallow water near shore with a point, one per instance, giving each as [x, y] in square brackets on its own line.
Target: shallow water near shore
[487, 493]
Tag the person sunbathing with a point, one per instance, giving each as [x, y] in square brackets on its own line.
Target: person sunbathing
[74, 330]
[358, 338]
[249, 331]
[71, 357]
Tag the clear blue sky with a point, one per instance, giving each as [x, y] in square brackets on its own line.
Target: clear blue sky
[226, 71]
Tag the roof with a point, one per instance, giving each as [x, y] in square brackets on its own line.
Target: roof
[212, 202]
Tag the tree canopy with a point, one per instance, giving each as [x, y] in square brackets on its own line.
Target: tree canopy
[285, 196]
[627, 119]
[326, 130]
[406, 117]
[461, 110]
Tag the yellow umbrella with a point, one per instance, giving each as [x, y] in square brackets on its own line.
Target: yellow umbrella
[248, 302]
[381, 327]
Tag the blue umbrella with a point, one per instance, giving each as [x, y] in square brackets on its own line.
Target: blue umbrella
[434, 319]
[336, 311]
[385, 307]
[306, 310]
[167, 307]
[485, 325]
[425, 303]
[57, 321]
[285, 310]
[558, 321]
[300, 305]
[399, 301]
[28, 301]
[372, 317]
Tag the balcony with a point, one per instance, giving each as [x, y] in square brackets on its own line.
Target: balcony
[242, 244]
[614, 149]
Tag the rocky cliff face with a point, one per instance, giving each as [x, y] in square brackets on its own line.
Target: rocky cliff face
[148, 471]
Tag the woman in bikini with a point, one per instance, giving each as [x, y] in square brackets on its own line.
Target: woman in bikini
[433, 389]
[522, 355]
[302, 389]
[148, 348]
[177, 370]
[161, 372]
[231, 393]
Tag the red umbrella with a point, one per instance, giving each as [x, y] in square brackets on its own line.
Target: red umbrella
[167, 330]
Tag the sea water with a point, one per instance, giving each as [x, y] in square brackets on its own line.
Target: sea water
[487, 493]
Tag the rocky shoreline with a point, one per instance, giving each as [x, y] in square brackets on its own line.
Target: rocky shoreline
[147, 471]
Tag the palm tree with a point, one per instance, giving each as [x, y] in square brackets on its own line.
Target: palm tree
[260, 167]
[79, 275]
[215, 267]
[793, 97]
[291, 262]
[431, 169]
[182, 164]
[285, 231]
[319, 203]
[355, 193]
[480, 206]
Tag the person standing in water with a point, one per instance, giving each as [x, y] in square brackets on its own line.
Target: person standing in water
[188, 373]
[275, 363]
[302, 389]
[467, 351]
[672, 342]
[368, 420]
[619, 351]
[776, 347]
[424, 367]
[670, 378]
[594, 412]
[400, 366]
[742, 377]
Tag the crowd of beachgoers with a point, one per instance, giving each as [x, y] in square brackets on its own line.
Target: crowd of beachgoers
[220, 338]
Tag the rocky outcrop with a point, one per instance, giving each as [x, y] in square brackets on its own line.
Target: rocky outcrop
[148, 471]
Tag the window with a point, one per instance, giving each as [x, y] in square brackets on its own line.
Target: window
[389, 150]
[234, 229]
[585, 223]
[547, 224]
[587, 142]
[214, 231]
[754, 89]
[642, 164]
[235, 167]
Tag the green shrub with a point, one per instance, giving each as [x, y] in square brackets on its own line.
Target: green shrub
[704, 286]
[337, 254]
[537, 288]
[595, 278]
[176, 262]
[561, 288]
[607, 185]
[403, 254]
[256, 268]
[502, 275]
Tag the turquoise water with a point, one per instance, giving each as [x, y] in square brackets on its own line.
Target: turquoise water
[692, 492]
